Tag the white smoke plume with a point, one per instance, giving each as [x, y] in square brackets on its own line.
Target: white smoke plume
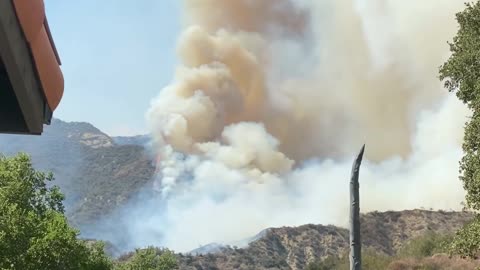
[272, 99]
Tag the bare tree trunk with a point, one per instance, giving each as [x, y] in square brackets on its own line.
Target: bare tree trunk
[355, 241]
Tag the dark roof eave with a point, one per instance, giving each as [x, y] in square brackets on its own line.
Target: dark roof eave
[57, 56]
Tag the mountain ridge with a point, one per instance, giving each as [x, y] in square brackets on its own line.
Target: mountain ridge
[293, 248]
[96, 174]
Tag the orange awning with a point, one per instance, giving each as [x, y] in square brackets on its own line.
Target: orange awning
[31, 15]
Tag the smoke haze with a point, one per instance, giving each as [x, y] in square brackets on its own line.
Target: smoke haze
[272, 99]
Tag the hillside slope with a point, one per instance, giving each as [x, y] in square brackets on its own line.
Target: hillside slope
[132, 140]
[295, 247]
[94, 172]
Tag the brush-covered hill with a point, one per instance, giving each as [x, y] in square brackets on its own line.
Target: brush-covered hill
[141, 140]
[94, 171]
[295, 247]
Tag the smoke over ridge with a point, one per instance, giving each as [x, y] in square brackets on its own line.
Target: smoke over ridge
[272, 98]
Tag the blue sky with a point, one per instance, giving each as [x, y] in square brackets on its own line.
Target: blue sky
[116, 56]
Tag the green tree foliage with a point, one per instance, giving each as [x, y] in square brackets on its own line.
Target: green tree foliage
[151, 259]
[426, 245]
[467, 240]
[461, 73]
[331, 262]
[34, 233]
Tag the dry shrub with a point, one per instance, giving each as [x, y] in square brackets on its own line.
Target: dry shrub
[436, 262]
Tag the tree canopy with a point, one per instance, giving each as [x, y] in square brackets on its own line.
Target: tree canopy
[34, 233]
[461, 73]
[150, 258]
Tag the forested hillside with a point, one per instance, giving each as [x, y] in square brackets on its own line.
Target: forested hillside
[94, 172]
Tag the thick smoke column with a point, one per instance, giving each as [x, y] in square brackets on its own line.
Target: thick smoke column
[323, 67]
[255, 129]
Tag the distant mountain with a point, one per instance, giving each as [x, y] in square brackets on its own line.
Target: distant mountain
[216, 247]
[208, 249]
[293, 248]
[95, 173]
[132, 140]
